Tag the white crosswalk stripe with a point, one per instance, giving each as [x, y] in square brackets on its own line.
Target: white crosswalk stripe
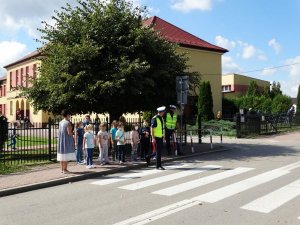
[201, 182]
[230, 190]
[159, 213]
[163, 179]
[275, 199]
[135, 174]
[265, 204]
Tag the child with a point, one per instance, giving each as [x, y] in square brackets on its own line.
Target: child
[134, 137]
[79, 141]
[13, 136]
[120, 137]
[103, 144]
[145, 139]
[113, 140]
[89, 144]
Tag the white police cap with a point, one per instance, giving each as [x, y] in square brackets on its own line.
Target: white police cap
[172, 106]
[161, 109]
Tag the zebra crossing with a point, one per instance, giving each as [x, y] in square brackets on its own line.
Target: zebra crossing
[264, 204]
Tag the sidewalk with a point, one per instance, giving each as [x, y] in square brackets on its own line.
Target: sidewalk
[50, 175]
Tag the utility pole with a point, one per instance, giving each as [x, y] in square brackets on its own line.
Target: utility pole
[182, 89]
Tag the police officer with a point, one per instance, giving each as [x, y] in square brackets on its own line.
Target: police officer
[171, 126]
[157, 134]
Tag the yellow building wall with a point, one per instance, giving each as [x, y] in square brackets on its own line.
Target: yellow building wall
[238, 79]
[14, 102]
[209, 65]
[244, 80]
[227, 80]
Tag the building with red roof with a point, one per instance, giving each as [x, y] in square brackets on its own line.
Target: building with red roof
[203, 57]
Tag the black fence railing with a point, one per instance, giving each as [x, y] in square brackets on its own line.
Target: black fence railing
[37, 142]
[262, 124]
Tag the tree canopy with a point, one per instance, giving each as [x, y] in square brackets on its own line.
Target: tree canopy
[266, 102]
[99, 57]
[253, 89]
[205, 101]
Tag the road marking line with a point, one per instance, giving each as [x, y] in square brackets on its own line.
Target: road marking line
[176, 207]
[275, 199]
[159, 213]
[227, 191]
[135, 174]
[201, 182]
[163, 179]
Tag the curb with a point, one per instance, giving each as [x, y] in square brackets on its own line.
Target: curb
[66, 180]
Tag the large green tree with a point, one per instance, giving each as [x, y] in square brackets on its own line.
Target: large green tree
[205, 101]
[275, 89]
[99, 57]
[253, 89]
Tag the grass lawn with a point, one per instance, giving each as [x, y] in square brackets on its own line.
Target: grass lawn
[24, 141]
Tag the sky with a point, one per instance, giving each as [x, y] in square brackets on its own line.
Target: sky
[262, 36]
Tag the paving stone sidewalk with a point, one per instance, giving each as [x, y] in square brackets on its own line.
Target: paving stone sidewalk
[50, 175]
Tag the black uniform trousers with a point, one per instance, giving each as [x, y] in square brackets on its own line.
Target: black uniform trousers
[169, 137]
[159, 147]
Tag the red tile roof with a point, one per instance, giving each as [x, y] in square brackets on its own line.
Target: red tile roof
[167, 30]
[32, 55]
[179, 36]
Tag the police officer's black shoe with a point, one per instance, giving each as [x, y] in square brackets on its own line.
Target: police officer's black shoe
[160, 168]
[148, 160]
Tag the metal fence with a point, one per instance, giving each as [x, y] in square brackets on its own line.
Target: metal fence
[29, 144]
[37, 142]
[263, 124]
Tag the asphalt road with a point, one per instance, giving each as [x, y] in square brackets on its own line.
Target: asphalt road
[254, 183]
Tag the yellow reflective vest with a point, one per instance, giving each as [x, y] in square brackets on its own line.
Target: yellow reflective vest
[159, 129]
[171, 121]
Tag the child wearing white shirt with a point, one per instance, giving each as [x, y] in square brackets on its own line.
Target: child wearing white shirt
[103, 144]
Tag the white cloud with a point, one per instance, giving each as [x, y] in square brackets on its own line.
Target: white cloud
[189, 5]
[224, 42]
[275, 45]
[268, 71]
[229, 66]
[250, 51]
[294, 68]
[27, 16]
[292, 81]
[9, 52]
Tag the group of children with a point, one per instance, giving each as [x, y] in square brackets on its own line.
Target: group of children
[86, 140]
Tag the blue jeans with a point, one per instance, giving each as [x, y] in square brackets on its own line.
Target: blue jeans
[121, 151]
[79, 153]
[13, 142]
[89, 156]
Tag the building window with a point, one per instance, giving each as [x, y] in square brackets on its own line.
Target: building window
[226, 88]
[11, 108]
[27, 75]
[17, 77]
[10, 80]
[34, 71]
[22, 77]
